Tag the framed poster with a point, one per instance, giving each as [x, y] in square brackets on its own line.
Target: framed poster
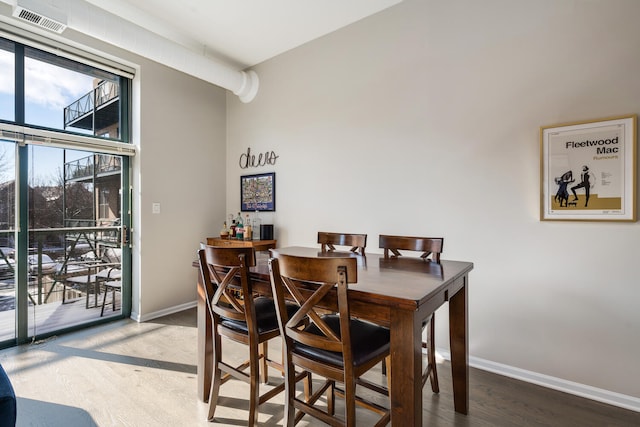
[258, 192]
[588, 170]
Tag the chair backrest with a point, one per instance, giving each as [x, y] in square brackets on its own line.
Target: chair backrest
[327, 240]
[321, 276]
[219, 266]
[112, 255]
[427, 245]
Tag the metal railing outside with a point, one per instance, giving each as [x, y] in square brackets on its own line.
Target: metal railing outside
[81, 249]
[100, 95]
[87, 166]
[108, 163]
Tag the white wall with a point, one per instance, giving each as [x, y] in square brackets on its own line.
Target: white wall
[180, 165]
[424, 120]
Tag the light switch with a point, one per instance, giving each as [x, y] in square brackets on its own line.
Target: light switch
[155, 208]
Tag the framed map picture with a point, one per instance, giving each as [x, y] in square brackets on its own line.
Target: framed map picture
[258, 192]
[588, 170]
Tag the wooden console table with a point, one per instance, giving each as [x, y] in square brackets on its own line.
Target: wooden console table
[258, 245]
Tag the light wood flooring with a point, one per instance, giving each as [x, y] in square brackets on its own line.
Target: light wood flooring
[144, 374]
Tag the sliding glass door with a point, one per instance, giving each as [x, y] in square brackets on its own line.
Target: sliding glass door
[64, 193]
[75, 237]
[69, 270]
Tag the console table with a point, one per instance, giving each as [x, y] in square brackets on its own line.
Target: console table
[258, 245]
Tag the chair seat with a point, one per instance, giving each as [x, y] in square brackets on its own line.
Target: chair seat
[89, 278]
[110, 273]
[110, 285]
[113, 284]
[266, 317]
[368, 341]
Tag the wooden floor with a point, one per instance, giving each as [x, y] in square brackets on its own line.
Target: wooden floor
[144, 374]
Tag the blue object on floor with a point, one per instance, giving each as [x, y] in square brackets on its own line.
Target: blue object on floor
[7, 401]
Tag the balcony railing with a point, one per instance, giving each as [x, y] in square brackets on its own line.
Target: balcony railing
[88, 166]
[80, 248]
[108, 163]
[102, 94]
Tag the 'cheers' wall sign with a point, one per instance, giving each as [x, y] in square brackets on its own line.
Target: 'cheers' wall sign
[248, 160]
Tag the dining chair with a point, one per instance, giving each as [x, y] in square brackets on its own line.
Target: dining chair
[335, 346]
[239, 316]
[328, 241]
[430, 247]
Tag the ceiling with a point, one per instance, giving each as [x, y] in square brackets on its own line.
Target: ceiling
[214, 40]
[242, 33]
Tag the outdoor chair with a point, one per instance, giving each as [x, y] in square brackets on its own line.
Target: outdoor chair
[111, 279]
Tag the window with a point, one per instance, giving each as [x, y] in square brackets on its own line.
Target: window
[88, 98]
[7, 81]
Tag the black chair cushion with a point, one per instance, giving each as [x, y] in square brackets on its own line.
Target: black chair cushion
[368, 341]
[7, 401]
[265, 316]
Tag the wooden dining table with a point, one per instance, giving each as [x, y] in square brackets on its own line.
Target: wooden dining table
[399, 293]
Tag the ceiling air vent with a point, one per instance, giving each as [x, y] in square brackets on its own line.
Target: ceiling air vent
[41, 15]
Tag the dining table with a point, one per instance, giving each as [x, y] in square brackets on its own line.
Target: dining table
[399, 293]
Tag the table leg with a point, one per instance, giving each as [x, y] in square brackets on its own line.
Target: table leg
[205, 345]
[406, 368]
[459, 343]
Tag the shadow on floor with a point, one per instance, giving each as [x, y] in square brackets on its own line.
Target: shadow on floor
[39, 413]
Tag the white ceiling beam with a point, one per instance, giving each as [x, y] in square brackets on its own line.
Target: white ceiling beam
[100, 24]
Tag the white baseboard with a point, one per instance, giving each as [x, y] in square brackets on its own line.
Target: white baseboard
[175, 309]
[582, 390]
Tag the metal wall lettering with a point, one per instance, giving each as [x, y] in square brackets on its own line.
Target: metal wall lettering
[248, 160]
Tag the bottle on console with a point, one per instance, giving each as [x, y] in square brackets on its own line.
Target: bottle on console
[248, 232]
[239, 228]
[232, 233]
[224, 233]
[256, 226]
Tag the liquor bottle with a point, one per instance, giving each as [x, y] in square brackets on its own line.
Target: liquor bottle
[232, 234]
[256, 226]
[224, 233]
[239, 228]
[247, 228]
